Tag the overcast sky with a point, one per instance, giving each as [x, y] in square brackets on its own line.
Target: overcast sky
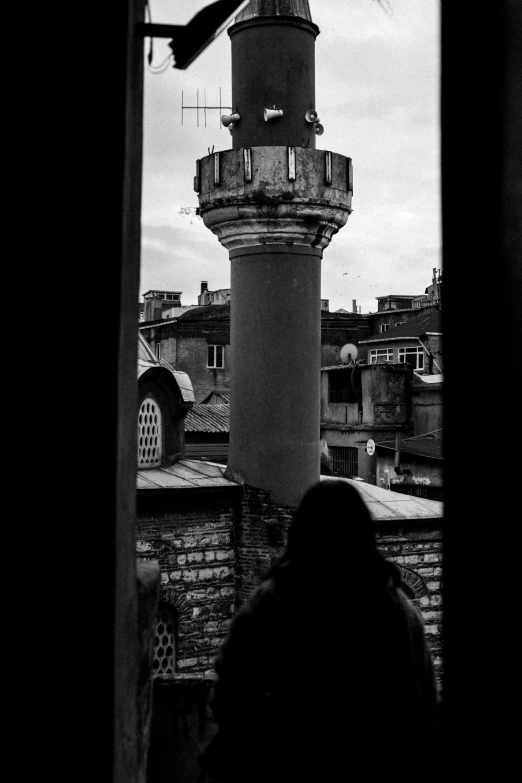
[377, 94]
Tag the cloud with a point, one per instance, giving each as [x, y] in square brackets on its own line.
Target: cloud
[377, 94]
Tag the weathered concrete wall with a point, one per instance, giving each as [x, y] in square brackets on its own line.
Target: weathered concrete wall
[193, 543]
[427, 407]
[384, 394]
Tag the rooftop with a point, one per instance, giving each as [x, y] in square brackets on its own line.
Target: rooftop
[428, 321]
[390, 506]
[208, 418]
[185, 474]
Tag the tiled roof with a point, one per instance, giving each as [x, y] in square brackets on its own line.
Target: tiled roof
[185, 474]
[422, 447]
[427, 321]
[208, 418]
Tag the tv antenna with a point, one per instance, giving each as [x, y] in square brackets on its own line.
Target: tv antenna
[203, 107]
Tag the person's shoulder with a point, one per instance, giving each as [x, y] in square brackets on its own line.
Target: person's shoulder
[262, 598]
[413, 615]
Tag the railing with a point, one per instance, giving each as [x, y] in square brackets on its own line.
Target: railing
[418, 490]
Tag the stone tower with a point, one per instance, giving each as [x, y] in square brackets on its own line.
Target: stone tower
[274, 201]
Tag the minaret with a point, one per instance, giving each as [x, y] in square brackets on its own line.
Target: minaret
[274, 201]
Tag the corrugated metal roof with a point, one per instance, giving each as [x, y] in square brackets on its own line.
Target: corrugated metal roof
[427, 321]
[184, 474]
[208, 418]
[386, 505]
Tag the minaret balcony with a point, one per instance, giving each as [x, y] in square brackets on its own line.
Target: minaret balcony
[274, 195]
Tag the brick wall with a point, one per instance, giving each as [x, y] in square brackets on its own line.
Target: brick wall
[261, 535]
[194, 544]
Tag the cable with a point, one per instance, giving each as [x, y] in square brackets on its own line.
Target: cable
[157, 69]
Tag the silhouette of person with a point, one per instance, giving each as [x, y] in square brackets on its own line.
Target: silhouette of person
[325, 674]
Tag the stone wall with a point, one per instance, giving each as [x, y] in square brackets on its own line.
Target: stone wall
[193, 541]
[416, 548]
[213, 554]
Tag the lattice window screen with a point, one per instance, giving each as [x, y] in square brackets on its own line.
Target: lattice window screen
[164, 643]
[149, 434]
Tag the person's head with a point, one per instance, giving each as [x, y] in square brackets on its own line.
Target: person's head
[332, 529]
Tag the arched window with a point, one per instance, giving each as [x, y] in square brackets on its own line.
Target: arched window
[164, 642]
[150, 434]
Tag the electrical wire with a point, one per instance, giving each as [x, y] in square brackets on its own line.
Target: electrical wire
[157, 69]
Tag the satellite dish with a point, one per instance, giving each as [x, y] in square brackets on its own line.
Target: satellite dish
[348, 353]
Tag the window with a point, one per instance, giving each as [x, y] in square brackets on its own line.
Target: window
[340, 387]
[150, 434]
[384, 327]
[158, 351]
[344, 460]
[216, 356]
[164, 642]
[325, 304]
[413, 356]
[381, 355]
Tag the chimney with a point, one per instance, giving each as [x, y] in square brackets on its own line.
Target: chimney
[275, 249]
[354, 305]
[204, 286]
[153, 309]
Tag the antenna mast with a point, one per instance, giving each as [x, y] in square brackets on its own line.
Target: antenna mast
[203, 107]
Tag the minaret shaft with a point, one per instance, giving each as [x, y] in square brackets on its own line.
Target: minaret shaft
[268, 55]
[274, 201]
